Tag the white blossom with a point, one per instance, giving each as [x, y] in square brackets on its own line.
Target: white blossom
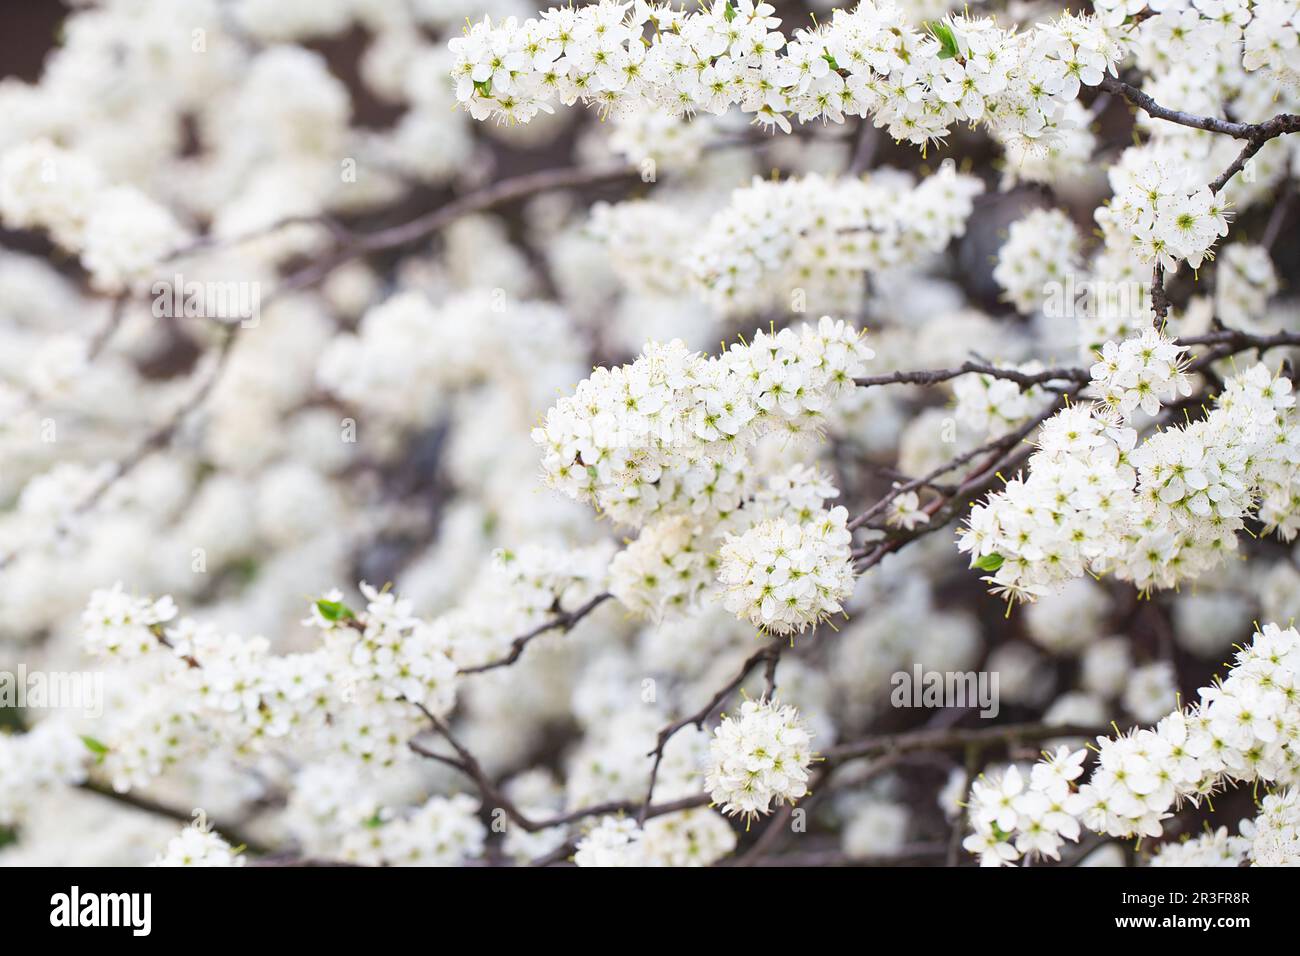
[758, 757]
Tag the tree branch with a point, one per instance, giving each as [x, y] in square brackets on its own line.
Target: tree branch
[1254, 132]
[769, 654]
[231, 834]
[959, 738]
[157, 439]
[491, 795]
[564, 620]
[354, 245]
[935, 376]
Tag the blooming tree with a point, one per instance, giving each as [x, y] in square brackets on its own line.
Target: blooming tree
[455, 432]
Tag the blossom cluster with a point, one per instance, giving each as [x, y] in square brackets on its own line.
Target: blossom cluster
[993, 406]
[612, 842]
[643, 440]
[1042, 248]
[122, 626]
[870, 61]
[1272, 38]
[758, 757]
[120, 233]
[196, 846]
[1163, 217]
[1242, 730]
[674, 564]
[1270, 29]
[667, 570]
[1155, 514]
[665, 443]
[47, 756]
[1144, 372]
[783, 576]
[1217, 848]
[390, 648]
[357, 694]
[804, 243]
[697, 837]
[1162, 210]
[1275, 840]
[1039, 814]
[444, 831]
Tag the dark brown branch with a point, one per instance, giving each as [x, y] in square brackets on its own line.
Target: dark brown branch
[1239, 341]
[935, 376]
[958, 738]
[1159, 297]
[231, 834]
[563, 621]
[1004, 455]
[1254, 132]
[492, 796]
[928, 480]
[769, 654]
[354, 245]
[1223, 342]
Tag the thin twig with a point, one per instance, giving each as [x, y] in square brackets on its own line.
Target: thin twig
[935, 376]
[492, 796]
[563, 620]
[505, 192]
[231, 834]
[156, 440]
[768, 654]
[958, 738]
[106, 332]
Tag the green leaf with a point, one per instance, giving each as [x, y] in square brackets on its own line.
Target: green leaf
[484, 87]
[990, 562]
[375, 822]
[334, 610]
[94, 746]
[729, 11]
[948, 48]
